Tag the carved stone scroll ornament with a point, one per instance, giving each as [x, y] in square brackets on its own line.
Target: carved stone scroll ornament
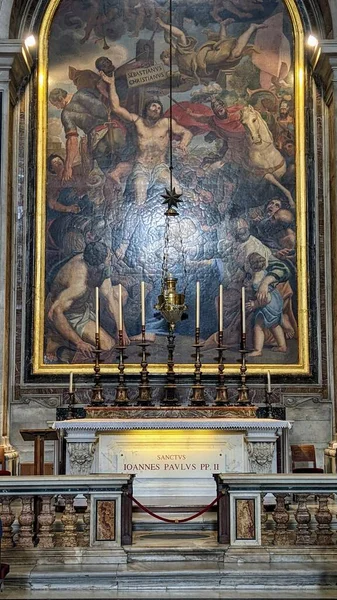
[260, 456]
[81, 455]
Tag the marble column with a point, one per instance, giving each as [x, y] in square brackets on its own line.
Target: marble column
[15, 67]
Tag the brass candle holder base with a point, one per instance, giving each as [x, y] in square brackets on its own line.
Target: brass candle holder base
[269, 405]
[171, 305]
[122, 397]
[71, 406]
[243, 397]
[221, 398]
[144, 390]
[171, 398]
[97, 390]
[198, 390]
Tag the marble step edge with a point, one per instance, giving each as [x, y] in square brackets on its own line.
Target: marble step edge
[162, 551]
[150, 526]
[199, 578]
[177, 555]
[111, 557]
[172, 568]
[223, 555]
[35, 556]
[285, 554]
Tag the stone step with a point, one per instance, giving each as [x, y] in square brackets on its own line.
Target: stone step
[189, 575]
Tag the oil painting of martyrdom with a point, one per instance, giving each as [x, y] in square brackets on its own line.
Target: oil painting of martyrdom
[108, 165]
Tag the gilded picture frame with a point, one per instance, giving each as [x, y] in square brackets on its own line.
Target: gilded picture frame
[152, 25]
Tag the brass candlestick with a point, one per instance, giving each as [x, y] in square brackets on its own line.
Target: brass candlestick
[71, 406]
[171, 398]
[144, 390]
[269, 405]
[243, 398]
[97, 391]
[122, 397]
[221, 397]
[171, 304]
[198, 395]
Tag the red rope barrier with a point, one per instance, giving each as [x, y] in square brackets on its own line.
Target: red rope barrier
[174, 520]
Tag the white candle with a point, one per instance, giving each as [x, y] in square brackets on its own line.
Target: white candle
[268, 382]
[142, 301]
[243, 307]
[120, 306]
[197, 306]
[71, 376]
[97, 309]
[221, 308]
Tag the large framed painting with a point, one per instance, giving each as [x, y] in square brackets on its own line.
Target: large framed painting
[213, 89]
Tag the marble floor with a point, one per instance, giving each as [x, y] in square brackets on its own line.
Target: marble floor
[17, 593]
[186, 566]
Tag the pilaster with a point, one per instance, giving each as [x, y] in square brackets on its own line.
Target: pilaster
[324, 63]
[15, 68]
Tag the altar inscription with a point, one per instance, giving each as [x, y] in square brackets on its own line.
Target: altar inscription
[171, 455]
[172, 463]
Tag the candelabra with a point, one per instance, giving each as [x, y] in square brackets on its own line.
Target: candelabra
[71, 406]
[121, 391]
[171, 304]
[198, 390]
[221, 397]
[97, 391]
[269, 407]
[144, 390]
[243, 398]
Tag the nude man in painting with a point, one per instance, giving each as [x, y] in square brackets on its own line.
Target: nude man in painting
[152, 143]
[70, 302]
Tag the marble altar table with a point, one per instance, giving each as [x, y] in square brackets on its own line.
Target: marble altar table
[172, 457]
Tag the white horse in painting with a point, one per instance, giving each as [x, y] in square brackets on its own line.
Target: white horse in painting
[264, 159]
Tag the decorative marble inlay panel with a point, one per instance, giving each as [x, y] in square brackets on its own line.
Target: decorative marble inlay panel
[245, 518]
[105, 520]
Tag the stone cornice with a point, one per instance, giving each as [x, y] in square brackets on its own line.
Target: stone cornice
[324, 63]
[94, 425]
[15, 66]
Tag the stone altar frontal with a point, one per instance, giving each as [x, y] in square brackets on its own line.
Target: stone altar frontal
[172, 457]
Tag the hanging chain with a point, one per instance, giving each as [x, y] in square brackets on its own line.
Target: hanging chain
[183, 255]
[171, 102]
[165, 262]
[164, 268]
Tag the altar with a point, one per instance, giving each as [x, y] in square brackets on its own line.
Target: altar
[173, 456]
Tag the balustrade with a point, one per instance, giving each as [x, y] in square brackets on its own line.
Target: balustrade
[81, 511]
[309, 518]
[50, 514]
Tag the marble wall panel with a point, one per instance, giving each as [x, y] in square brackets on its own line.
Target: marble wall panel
[31, 415]
[312, 425]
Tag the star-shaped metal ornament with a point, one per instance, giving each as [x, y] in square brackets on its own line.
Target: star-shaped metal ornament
[171, 198]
